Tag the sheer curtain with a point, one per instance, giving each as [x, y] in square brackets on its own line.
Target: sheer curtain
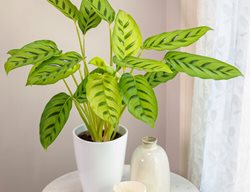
[219, 158]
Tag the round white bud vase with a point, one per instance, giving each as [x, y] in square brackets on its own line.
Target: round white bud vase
[150, 166]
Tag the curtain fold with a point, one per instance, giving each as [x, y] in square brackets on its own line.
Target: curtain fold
[219, 157]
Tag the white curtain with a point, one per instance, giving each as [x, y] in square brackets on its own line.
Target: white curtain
[219, 158]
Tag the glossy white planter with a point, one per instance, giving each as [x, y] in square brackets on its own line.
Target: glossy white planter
[100, 165]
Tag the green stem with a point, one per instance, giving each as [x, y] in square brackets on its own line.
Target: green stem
[80, 72]
[110, 132]
[86, 70]
[106, 127]
[100, 125]
[83, 115]
[74, 78]
[123, 109]
[67, 86]
[115, 131]
[76, 103]
[111, 48]
[139, 55]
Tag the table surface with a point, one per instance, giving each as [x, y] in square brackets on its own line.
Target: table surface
[70, 182]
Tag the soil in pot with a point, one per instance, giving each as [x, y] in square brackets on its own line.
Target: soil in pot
[87, 137]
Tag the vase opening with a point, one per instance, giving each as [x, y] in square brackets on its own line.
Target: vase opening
[149, 142]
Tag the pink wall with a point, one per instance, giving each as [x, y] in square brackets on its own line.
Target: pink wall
[173, 96]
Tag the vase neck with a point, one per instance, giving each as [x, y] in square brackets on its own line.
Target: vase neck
[149, 142]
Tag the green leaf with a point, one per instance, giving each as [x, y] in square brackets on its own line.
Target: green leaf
[80, 94]
[88, 18]
[99, 62]
[54, 69]
[175, 39]
[13, 51]
[140, 98]
[32, 53]
[104, 97]
[126, 37]
[156, 78]
[66, 7]
[148, 65]
[103, 9]
[54, 117]
[201, 66]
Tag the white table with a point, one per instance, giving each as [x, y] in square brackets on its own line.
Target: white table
[70, 182]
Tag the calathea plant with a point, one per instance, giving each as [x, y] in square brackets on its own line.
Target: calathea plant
[102, 95]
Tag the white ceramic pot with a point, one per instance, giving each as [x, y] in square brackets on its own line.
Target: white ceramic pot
[100, 165]
[150, 166]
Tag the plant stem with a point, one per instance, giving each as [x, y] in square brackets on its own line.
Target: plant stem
[86, 70]
[83, 115]
[110, 131]
[101, 123]
[80, 72]
[139, 55]
[67, 86]
[74, 78]
[111, 47]
[115, 131]
[123, 109]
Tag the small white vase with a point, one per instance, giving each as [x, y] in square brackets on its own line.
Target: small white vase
[100, 164]
[150, 166]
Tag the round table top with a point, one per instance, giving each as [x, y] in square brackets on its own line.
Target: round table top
[70, 182]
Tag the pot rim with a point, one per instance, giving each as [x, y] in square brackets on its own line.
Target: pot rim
[99, 143]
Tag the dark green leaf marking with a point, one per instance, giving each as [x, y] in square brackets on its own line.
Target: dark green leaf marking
[54, 117]
[175, 39]
[32, 53]
[54, 69]
[148, 65]
[126, 37]
[157, 78]
[88, 18]
[139, 97]
[66, 7]
[201, 66]
[103, 9]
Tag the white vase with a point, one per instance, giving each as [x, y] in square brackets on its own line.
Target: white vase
[150, 166]
[100, 164]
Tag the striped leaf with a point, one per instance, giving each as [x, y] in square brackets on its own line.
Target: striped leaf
[140, 98]
[66, 7]
[175, 39]
[80, 94]
[13, 51]
[201, 66]
[148, 65]
[126, 37]
[54, 69]
[103, 9]
[100, 63]
[88, 18]
[32, 53]
[54, 117]
[157, 78]
[104, 97]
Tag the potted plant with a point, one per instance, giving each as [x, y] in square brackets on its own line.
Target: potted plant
[103, 94]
